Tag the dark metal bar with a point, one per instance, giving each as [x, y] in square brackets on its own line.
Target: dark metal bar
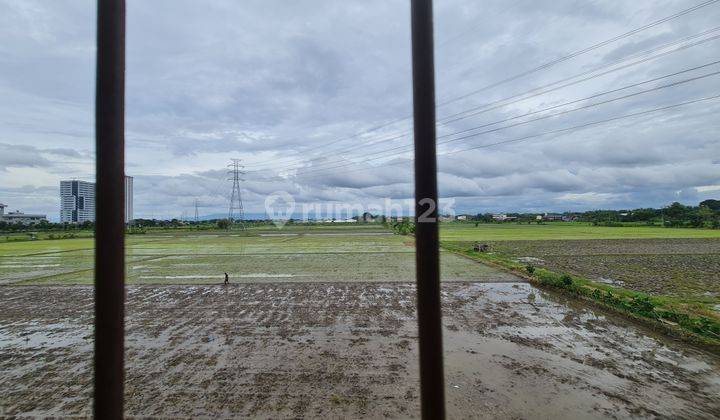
[109, 210]
[427, 253]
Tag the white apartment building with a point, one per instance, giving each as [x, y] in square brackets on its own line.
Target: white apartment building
[77, 201]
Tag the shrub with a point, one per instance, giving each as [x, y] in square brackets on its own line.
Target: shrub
[643, 305]
[566, 280]
[530, 268]
[404, 227]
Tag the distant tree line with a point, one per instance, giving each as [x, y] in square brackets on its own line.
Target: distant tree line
[135, 227]
[45, 226]
[705, 215]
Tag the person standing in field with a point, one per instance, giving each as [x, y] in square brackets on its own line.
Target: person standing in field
[227, 278]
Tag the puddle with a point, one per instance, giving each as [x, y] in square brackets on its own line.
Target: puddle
[45, 336]
[610, 281]
[531, 260]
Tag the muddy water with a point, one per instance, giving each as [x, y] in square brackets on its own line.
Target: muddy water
[347, 350]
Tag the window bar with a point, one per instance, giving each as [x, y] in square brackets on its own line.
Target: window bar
[110, 220]
[427, 253]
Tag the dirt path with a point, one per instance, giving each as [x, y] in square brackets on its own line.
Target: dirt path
[346, 350]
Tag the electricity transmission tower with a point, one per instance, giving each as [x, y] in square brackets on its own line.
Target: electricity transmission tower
[236, 212]
[196, 211]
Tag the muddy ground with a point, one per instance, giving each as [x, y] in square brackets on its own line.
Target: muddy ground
[347, 350]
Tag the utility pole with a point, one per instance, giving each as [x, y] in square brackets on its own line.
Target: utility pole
[236, 212]
[196, 211]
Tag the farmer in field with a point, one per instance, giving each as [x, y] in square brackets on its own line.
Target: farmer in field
[227, 278]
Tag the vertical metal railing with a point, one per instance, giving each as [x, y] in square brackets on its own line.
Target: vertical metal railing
[432, 381]
[110, 241]
[109, 209]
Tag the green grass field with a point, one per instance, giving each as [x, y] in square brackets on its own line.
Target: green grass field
[648, 259]
[313, 254]
[562, 231]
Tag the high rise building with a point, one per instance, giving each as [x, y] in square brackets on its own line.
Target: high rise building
[77, 201]
[128, 199]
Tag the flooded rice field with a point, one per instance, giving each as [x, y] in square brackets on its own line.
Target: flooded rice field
[670, 266]
[347, 350]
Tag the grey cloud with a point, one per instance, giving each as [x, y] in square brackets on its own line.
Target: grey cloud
[20, 156]
[285, 85]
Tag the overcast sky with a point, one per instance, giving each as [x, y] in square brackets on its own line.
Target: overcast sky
[314, 96]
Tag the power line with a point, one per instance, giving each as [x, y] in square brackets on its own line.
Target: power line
[692, 79]
[551, 87]
[547, 133]
[585, 125]
[528, 72]
[503, 102]
[580, 52]
[673, 84]
[482, 132]
[543, 89]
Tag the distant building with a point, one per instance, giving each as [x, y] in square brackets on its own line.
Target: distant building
[77, 201]
[128, 199]
[552, 217]
[462, 217]
[503, 218]
[19, 217]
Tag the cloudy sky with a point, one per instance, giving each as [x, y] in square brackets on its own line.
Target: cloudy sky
[537, 111]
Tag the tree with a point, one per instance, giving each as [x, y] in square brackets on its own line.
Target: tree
[223, 224]
[713, 205]
[706, 215]
[676, 214]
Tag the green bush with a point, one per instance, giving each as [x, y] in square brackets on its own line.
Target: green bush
[566, 280]
[404, 227]
[530, 268]
[643, 305]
